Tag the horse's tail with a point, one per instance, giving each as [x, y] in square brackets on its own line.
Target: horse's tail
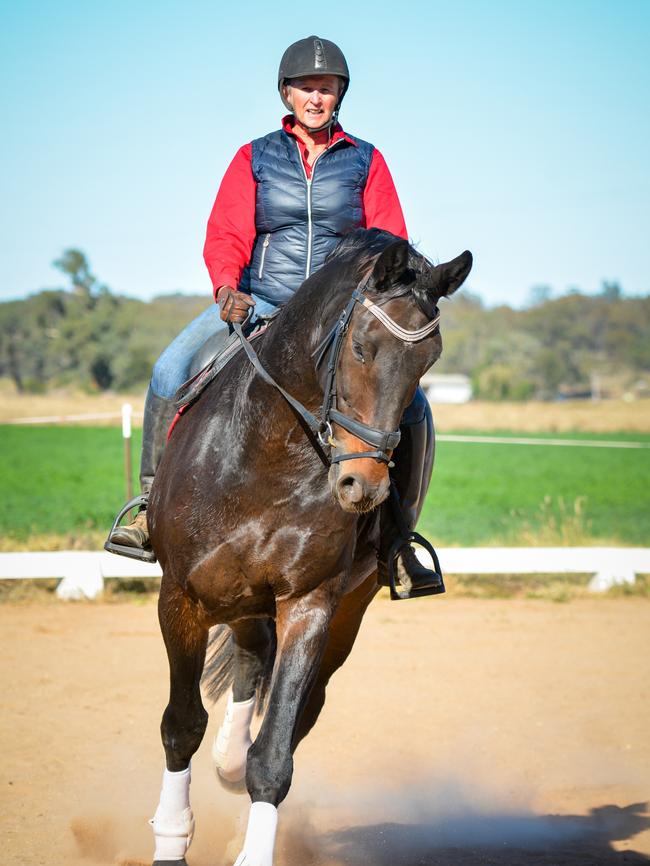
[218, 672]
[219, 669]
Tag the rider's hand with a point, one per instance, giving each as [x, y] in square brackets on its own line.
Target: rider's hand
[234, 305]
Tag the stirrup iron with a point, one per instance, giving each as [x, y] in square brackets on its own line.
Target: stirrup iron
[140, 501]
[407, 536]
[397, 591]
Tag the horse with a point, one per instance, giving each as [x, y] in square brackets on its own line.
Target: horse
[266, 530]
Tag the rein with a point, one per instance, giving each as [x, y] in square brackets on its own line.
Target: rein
[319, 431]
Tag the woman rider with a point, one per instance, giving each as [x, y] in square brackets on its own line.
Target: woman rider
[276, 217]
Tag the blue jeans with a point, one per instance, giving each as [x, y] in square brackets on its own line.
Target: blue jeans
[173, 367]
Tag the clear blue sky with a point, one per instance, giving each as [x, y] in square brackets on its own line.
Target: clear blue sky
[519, 130]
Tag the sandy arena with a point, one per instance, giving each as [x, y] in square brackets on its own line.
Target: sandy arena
[461, 732]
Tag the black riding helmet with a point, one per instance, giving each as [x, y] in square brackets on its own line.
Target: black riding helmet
[313, 56]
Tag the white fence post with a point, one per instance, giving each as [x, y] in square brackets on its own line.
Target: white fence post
[83, 578]
[127, 413]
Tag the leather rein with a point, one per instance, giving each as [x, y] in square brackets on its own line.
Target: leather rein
[320, 431]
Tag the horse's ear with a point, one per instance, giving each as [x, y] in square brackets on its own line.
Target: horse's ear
[390, 266]
[449, 276]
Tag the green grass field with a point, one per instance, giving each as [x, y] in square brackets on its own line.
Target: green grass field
[483, 494]
[68, 482]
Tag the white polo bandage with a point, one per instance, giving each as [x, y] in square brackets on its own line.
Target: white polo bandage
[260, 836]
[173, 823]
[233, 740]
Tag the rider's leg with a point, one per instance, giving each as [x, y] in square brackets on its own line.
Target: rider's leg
[173, 367]
[413, 460]
[417, 426]
[169, 372]
[159, 412]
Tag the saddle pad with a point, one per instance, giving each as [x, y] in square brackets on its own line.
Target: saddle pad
[190, 391]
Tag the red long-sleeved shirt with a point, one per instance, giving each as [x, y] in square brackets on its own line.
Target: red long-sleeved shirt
[231, 228]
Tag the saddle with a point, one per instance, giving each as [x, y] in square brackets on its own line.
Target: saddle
[210, 360]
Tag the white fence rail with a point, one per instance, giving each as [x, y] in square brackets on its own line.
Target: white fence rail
[83, 572]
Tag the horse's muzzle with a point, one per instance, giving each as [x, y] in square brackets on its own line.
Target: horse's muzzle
[356, 492]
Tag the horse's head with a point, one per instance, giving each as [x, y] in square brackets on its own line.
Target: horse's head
[391, 340]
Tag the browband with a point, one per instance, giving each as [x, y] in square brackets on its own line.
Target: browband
[400, 332]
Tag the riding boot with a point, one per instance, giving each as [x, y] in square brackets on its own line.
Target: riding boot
[399, 566]
[159, 412]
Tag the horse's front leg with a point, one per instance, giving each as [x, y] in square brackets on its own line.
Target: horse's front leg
[183, 723]
[341, 636]
[302, 629]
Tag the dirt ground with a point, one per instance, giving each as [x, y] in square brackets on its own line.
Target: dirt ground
[460, 731]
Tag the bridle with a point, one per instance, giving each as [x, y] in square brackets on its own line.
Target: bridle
[320, 431]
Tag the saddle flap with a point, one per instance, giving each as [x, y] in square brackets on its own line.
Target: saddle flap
[221, 351]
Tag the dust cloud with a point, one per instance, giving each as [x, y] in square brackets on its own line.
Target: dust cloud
[431, 822]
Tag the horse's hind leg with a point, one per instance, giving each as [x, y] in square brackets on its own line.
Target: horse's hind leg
[183, 723]
[254, 644]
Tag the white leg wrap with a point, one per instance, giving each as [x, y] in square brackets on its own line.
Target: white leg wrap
[260, 836]
[233, 740]
[173, 823]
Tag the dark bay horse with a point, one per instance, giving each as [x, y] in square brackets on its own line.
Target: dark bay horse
[255, 533]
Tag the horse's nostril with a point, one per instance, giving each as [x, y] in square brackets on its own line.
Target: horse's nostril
[350, 488]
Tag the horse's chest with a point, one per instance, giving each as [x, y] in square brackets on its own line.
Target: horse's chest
[290, 545]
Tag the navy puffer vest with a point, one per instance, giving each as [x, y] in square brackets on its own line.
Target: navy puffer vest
[299, 221]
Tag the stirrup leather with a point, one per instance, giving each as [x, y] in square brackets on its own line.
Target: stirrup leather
[140, 501]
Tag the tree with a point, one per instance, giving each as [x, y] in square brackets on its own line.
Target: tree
[539, 295]
[75, 265]
[611, 290]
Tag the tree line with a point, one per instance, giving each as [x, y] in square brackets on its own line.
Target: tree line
[86, 336]
[553, 347]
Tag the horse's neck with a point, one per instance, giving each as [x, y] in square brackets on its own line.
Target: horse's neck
[257, 417]
[287, 351]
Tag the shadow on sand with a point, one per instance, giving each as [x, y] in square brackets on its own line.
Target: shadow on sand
[483, 840]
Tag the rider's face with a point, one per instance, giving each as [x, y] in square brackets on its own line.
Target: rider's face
[313, 99]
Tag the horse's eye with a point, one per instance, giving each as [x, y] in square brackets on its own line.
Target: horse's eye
[357, 351]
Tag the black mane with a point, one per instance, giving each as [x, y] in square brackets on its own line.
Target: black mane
[347, 263]
[361, 246]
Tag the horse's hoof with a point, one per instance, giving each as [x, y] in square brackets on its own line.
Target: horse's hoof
[182, 862]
